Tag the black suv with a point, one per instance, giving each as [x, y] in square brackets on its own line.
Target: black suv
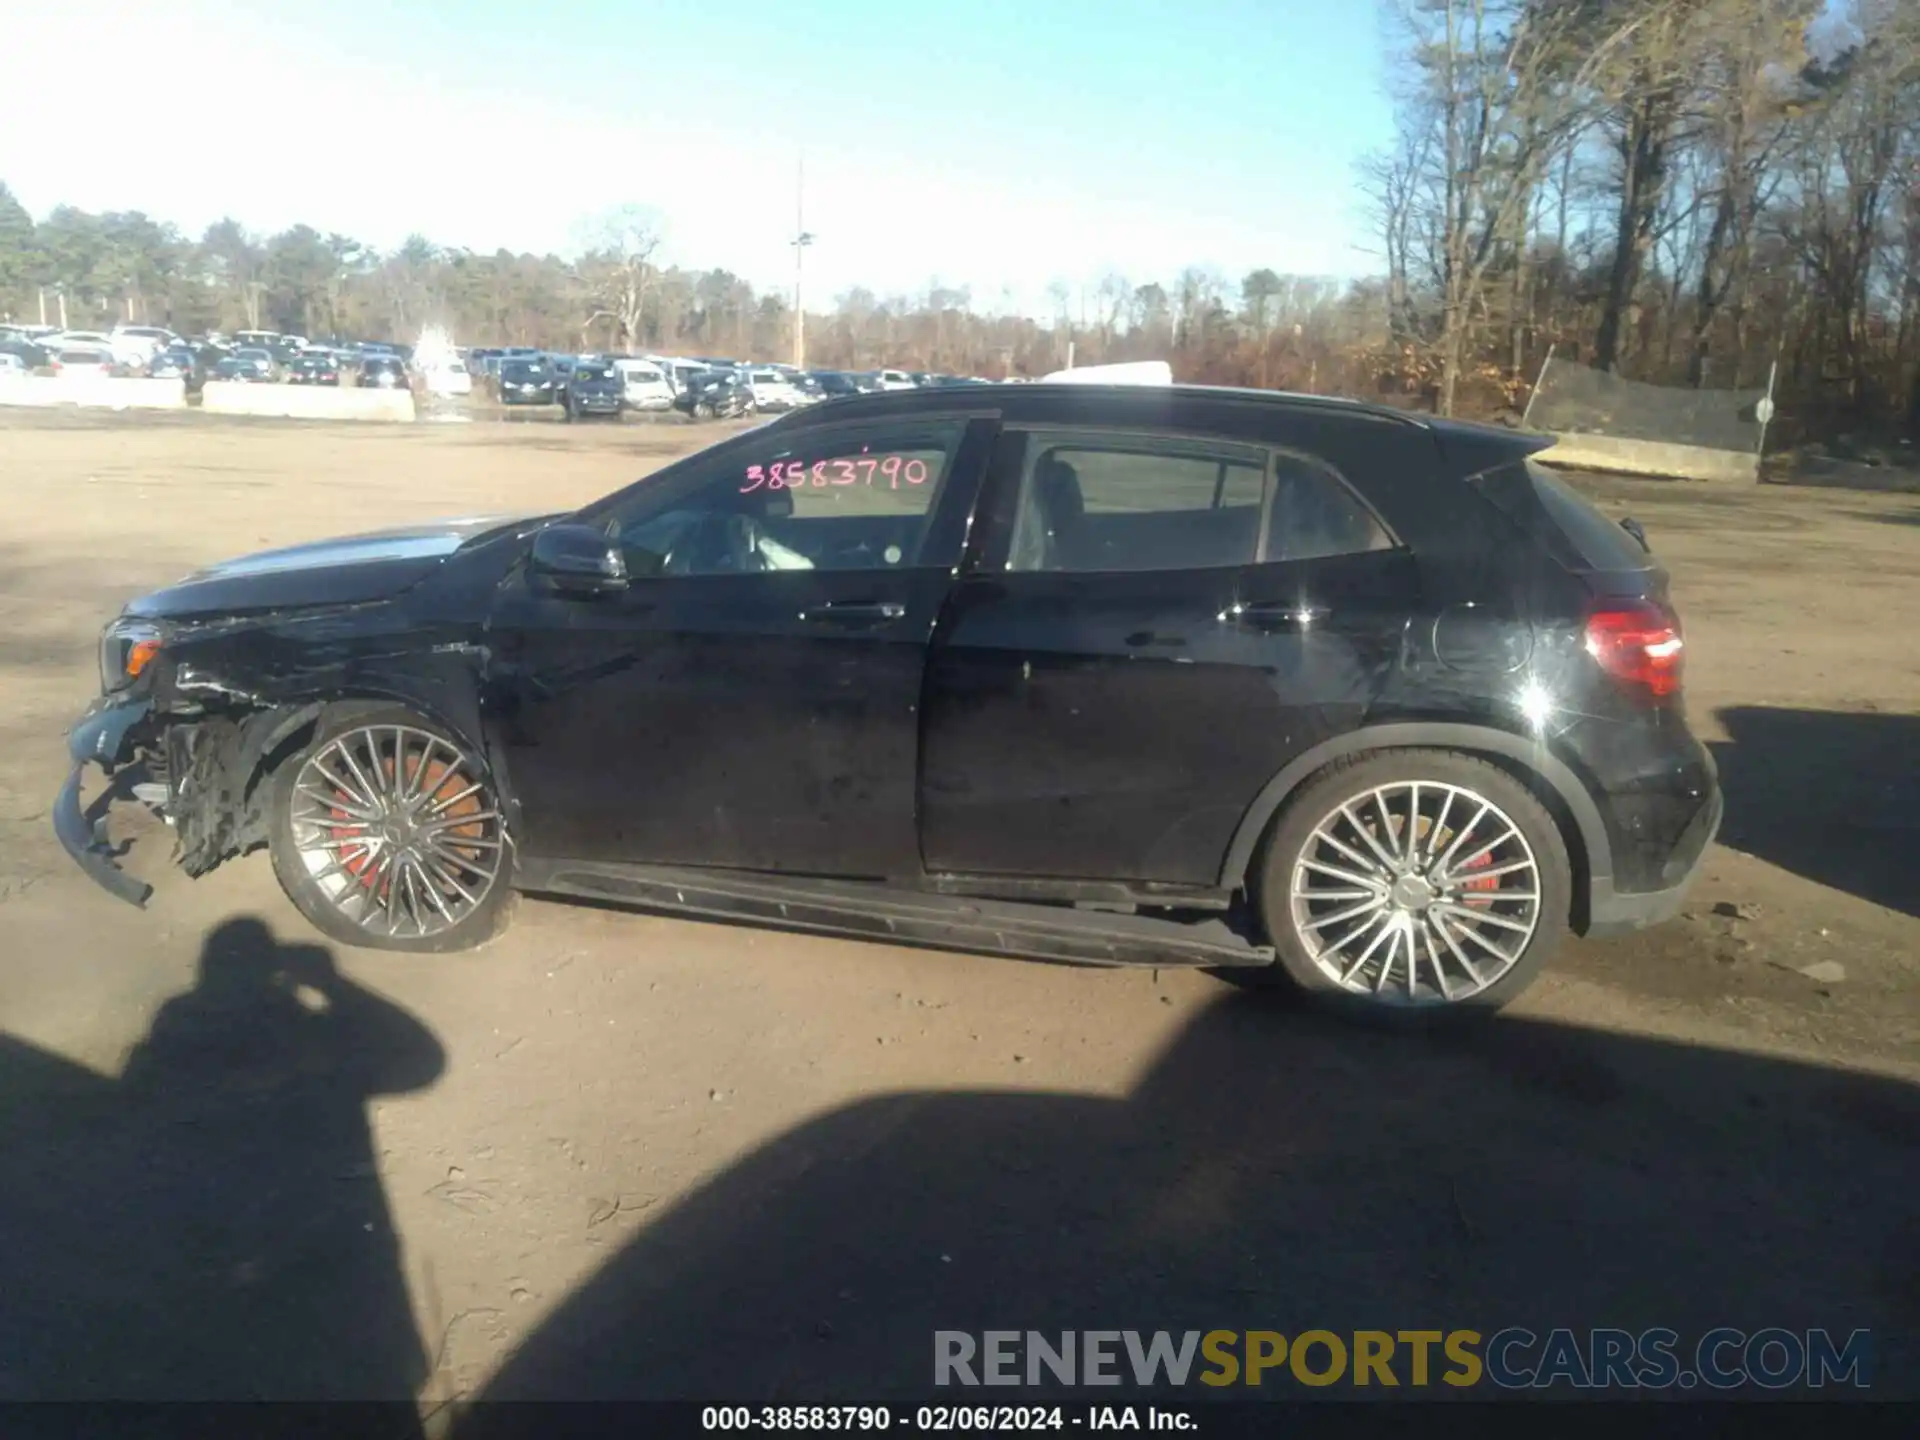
[383, 372]
[1311, 689]
[593, 387]
[525, 382]
[313, 368]
[714, 394]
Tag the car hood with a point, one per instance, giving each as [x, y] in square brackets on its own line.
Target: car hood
[351, 570]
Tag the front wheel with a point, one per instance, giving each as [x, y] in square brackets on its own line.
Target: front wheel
[1415, 883]
[388, 833]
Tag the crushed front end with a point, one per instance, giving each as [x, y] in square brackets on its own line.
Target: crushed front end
[188, 747]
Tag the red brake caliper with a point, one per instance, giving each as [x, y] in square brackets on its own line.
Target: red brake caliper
[1486, 886]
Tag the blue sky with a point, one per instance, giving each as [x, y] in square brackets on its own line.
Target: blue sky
[992, 144]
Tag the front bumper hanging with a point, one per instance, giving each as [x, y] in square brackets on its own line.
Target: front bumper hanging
[98, 737]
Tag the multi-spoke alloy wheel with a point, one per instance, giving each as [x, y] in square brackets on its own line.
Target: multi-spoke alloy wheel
[1416, 880]
[1418, 892]
[393, 836]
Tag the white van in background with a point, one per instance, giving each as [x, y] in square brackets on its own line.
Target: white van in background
[676, 370]
[644, 385]
[136, 345]
[773, 390]
[448, 378]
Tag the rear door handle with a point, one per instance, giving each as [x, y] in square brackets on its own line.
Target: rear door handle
[1274, 614]
[854, 612]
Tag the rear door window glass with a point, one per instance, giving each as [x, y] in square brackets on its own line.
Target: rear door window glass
[1126, 503]
[1316, 515]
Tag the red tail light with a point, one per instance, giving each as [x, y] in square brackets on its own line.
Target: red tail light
[1639, 643]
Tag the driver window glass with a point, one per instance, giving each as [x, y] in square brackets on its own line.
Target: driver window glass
[844, 498]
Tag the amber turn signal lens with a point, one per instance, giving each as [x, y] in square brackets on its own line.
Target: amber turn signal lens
[139, 654]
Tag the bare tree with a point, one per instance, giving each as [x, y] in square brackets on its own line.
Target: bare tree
[619, 270]
[1646, 83]
[1501, 90]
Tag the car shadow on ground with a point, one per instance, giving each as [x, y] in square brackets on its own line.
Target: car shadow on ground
[1273, 1170]
[1832, 796]
[211, 1225]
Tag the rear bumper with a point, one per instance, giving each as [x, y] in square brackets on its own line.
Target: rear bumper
[99, 736]
[1614, 912]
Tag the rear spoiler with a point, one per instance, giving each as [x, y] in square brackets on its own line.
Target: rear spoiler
[1467, 449]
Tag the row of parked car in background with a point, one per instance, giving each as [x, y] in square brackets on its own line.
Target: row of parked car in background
[701, 387]
[246, 356]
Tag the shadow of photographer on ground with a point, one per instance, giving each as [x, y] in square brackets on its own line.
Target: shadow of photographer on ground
[212, 1224]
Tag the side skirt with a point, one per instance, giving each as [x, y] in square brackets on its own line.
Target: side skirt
[902, 916]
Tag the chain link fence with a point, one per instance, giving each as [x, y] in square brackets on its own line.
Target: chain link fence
[1571, 399]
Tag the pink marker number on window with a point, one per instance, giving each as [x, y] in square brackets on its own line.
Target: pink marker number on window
[921, 466]
[890, 467]
[820, 472]
[866, 466]
[844, 472]
[757, 476]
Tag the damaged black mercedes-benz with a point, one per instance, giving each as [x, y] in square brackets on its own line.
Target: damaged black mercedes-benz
[1127, 675]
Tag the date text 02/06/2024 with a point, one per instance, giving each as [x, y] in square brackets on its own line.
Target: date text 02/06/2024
[942, 1418]
[852, 470]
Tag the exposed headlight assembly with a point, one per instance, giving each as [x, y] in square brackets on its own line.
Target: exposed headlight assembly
[127, 647]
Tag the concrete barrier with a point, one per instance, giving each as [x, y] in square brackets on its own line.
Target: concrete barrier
[29, 390]
[1649, 457]
[94, 391]
[305, 402]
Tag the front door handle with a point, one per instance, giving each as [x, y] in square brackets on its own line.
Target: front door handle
[1274, 614]
[854, 612]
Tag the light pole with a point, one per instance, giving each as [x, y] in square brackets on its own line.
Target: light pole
[801, 239]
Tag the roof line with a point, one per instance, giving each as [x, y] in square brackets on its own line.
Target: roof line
[1243, 394]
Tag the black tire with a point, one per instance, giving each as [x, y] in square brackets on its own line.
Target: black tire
[321, 905]
[1289, 919]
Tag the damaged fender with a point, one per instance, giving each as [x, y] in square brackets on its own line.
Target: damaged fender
[216, 728]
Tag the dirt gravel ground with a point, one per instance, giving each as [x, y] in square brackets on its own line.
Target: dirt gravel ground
[618, 1154]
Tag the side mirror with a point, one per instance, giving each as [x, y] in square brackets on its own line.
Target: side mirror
[576, 560]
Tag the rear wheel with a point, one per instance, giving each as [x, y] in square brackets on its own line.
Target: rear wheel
[1414, 883]
[388, 833]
